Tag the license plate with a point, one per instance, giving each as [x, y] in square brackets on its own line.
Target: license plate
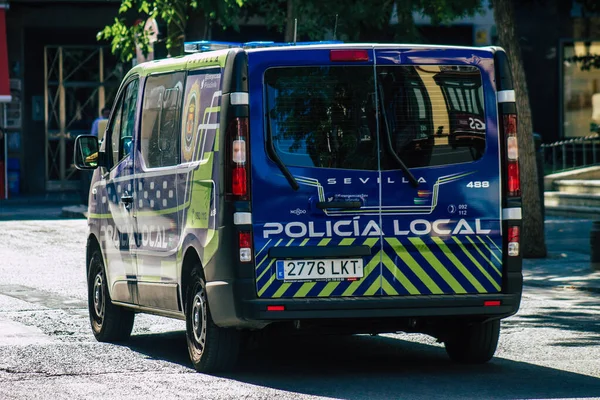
[313, 270]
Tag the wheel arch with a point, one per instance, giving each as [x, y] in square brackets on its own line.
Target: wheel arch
[191, 259]
[92, 245]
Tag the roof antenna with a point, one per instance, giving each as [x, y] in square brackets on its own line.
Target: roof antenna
[335, 27]
[295, 29]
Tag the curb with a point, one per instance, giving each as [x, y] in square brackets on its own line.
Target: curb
[78, 211]
[582, 288]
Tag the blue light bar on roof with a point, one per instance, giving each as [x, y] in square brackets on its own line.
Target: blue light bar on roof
[210, 45]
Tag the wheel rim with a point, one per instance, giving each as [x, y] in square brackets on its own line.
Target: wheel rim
[199, 320]
[99, 296]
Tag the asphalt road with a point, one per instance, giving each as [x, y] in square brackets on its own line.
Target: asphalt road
[550, 349]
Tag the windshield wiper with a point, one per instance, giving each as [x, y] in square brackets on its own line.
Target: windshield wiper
[273, 154]
[411, 178]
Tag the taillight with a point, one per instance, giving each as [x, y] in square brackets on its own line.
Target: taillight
[245, 245]
[349, 55]
[513, 241]
[512, 155]
[239, 157]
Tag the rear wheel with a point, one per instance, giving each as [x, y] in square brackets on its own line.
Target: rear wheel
[211, 348]
[474, 343]
[110, 323]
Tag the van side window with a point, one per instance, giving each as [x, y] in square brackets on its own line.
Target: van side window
[161, 119]
[201, 109]
[123, 123]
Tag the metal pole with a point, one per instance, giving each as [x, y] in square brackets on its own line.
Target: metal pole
[553, 158]
[574, 154]
[564, 155]
[584, 154]
[62, 115]
[46, 105]
[5, 172]
[295, 29]
[594, 151]
[101, 93]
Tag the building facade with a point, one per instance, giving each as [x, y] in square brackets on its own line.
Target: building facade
[55, 76]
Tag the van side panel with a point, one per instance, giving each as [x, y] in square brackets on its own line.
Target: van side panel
[200, 187]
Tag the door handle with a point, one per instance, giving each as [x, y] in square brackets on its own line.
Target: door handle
[324, 205]
[127, 200]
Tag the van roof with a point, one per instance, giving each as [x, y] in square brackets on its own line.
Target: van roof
[214, 53]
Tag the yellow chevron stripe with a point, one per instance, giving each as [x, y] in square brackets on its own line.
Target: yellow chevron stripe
[371, 242]
[476, 284]
[324, 242]
[398, 275]
[266, 258]
[347, 241]
[304, 242]
[474, 261]
[484, 256]
[374, 288]
[414, 265]
[328, 289]
[304, 289]
[266, 269]
[266, 286]
[373, 265]
[490, 250]
[284, 286]
[264, 247]
[388, 288]
[437, 265]
[494, 243]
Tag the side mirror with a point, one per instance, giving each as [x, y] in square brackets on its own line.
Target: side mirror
[86, 153]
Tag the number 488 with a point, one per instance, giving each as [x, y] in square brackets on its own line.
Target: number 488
[478, 184]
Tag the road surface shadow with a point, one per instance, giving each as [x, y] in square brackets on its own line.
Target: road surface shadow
[364, 367]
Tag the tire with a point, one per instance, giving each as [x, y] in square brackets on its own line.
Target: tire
[211, 348]
[110, 323]
[474, 343]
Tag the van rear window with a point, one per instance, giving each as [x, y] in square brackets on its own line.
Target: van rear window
[332, 117]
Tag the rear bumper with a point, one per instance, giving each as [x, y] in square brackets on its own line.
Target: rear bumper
[234, 304]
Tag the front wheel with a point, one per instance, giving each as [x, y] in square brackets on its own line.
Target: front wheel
[474, 343]
[110, 323]
[211, 348]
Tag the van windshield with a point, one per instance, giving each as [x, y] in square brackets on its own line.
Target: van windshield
[326, 117]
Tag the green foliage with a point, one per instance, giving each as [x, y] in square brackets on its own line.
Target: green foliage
[360, 19]
[124, 34]
[443, 11]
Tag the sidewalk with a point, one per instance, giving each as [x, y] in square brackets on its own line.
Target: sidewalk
[46, 206]
[568, 262]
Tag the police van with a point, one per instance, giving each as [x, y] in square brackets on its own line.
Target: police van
[310, 187]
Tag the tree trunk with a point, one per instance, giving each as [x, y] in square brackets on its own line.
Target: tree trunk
[532, 238]
[177, 27]
[406, 31]
[289, 21]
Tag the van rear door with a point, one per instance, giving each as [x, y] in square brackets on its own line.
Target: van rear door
[439, 113]
[316, 232]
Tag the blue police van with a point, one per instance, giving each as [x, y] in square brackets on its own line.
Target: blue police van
[311, 187]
